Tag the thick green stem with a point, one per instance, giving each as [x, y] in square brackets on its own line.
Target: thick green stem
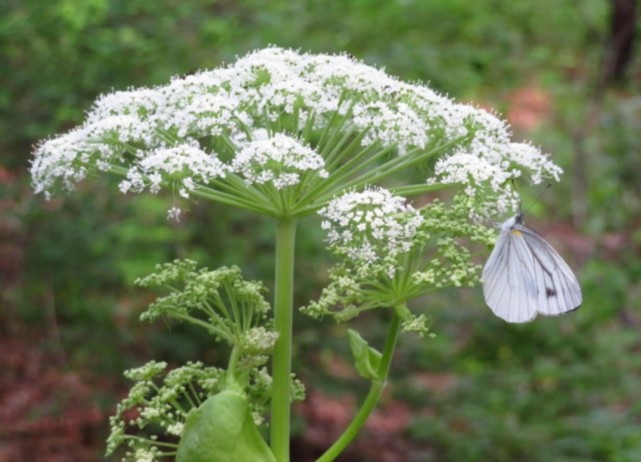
[282, 359]
[232, 379]
[372, 398]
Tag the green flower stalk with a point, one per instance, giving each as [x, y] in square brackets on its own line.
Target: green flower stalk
[285, 135]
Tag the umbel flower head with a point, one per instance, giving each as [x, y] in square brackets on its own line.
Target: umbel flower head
[229, 307]
[279, 160]
[281, 133]
[370, 226]
[390, 253]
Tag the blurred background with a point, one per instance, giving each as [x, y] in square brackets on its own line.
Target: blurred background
[566, 75]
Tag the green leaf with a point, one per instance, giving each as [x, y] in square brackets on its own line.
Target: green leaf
[222, 430]
[366, 358]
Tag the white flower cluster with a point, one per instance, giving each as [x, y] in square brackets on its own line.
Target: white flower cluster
[279, 160]
[371, 225]
[146, 455]
[184, 163]
[186, 127]
[487, 165]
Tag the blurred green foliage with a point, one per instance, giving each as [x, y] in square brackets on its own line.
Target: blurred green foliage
[557, 389]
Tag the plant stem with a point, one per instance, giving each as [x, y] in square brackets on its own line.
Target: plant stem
[373, 396]
[232, 380]
[282, 359]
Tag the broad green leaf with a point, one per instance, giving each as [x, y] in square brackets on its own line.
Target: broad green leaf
[222, 430]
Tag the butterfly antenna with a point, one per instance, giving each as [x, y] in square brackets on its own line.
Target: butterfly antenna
[538, 198]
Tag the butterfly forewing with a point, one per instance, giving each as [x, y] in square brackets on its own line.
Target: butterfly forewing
[510, 292]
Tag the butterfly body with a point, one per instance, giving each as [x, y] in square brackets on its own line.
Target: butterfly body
[525, 276]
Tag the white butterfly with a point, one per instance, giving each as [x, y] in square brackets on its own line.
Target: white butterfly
[525, 276]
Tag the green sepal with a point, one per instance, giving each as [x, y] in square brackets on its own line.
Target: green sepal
[366, 358]
[222, 430]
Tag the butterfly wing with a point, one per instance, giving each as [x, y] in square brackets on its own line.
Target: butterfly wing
[509, 289]
[558, 288]
[525, 276]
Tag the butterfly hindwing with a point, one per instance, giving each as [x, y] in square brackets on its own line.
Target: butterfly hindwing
[559, 290]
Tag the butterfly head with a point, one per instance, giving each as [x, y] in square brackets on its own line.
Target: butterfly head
[519, 219]
[510, 224]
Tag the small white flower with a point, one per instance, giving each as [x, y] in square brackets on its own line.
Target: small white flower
[150, 413]
[370, 225]
[174, 214]
[176, 428]
[486, 167]
[280, 160]
[145, 455]
[186, 163]
[259, 340]
[138, 103]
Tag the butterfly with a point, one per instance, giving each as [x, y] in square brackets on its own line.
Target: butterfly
[525, 276]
